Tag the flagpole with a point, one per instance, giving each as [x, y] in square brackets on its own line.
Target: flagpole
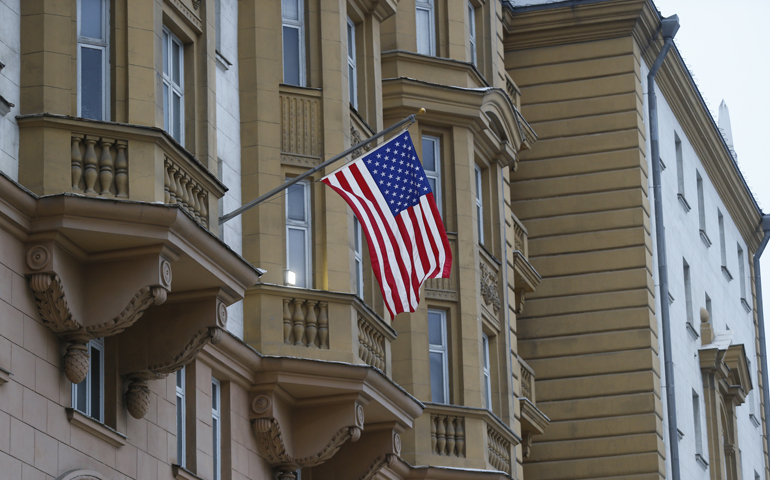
[408, 120]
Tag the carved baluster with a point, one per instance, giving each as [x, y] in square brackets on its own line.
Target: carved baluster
[299, 321]
[121, 171]
[167, 180]
[77, 163]
[323, 325]
[106, 166]
[190, 197]
[368, 343]
[460, 437]
[379, 352]
[311, 329]
[202, 201]
[433, 434]
[183, 188]
[286, 322]
[450, 436]
[440, 435]
[361, 339]
[175, 190]
[196, 203]
[89, 162]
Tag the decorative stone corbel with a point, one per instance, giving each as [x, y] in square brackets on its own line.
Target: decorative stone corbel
[489, 288]
[379, 463]
[55, 312]
[283, 457]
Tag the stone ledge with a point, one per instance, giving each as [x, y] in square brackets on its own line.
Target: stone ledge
[182, 473]
[701, 461]
[96, 428]
[5, 376]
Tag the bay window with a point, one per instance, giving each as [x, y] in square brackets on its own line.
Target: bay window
[293, 32]
[93, 59]
[426, 27]
[439, 356]
[173, 85]
[298, 233]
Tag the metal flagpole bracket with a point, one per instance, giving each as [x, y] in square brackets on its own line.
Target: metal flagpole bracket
[407, 121]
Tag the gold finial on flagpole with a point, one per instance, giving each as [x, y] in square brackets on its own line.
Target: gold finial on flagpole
[420, 111]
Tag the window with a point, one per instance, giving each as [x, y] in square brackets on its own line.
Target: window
[701, 210]
[426, 27]
[742, 273]
[485, 370]
[752, 399]
[293, 23]
[679, 165]
[216, 427]
[180, 417]
[93, 59]
[472, 31]
[88, 395]
[722, 246]
[688, 292]
[298, 233]
[439, 359]
[696, 423]
[358, 259]
[431, 163]
[352, 80]
[479, 207]
[173, 85]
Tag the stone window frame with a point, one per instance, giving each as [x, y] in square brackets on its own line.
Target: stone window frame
[442, 349]
[306, 226]
[181, 417]
[301, 27]
[216, 428]
[479, 197]
[428, 6]
[486, 371]
[352, 68]
[358, 257]
[472, 39]
[169, 39]
[102, 45]
[96, 344]
[435, 173]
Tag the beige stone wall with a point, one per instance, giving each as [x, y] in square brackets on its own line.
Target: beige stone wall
[589, 330]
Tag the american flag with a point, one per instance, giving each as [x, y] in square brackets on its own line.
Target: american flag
[389, 193]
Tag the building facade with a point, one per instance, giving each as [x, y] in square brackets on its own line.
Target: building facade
[145, 336]
[592, 330]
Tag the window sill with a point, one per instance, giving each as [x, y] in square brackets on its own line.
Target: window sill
[683, 202]
[96, 428]
[182, 473]
[701, 461]
[691, 330]
[5, 376]
[680, 433]
[223, 62]
[670, 299]
[662, 165]
[727, 273]
[746, 305]
[705, 238]
[754, 420]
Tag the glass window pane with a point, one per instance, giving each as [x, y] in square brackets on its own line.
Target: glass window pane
[216, 447]
[81, 397]
[432, 183]
[176, 54]
[423, 31]
[180, 378]
[166, 123]
[296, 208]
[165, 52]
[352, 84]
[91, 83]
[351, 42]
[297, 259]
[358, 278]
[290, 9]
[428, 155]
[437, 377]
[179, 430]
[91, 18]
[435, 328]
[96, 383]
[177, 133]
[291, 55]
[214, 396]
[357, 234]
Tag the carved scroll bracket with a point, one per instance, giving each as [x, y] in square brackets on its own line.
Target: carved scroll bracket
[55, 312]
[280, 455]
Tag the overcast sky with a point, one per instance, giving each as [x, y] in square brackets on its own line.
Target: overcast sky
[726, 45]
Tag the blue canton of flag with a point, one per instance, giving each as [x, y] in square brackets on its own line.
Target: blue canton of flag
[398, 173]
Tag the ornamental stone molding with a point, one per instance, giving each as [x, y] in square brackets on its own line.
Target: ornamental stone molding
[489, 287]
[54, 282]
[337, 422]
[81, 475]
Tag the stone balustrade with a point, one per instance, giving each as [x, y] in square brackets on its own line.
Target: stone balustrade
[527, 381]
[447, 435]
[521, 236]
[317, 324]
[61, 154]
[461, 437]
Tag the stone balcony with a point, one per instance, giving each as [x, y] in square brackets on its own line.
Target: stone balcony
[61, 154]
[533, 421]
[317, 324]
[526, 279]
[462, 437]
